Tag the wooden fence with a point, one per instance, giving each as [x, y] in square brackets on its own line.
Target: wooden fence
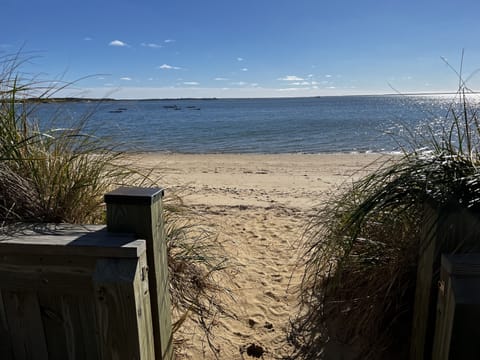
[444, 299]
[89, 292]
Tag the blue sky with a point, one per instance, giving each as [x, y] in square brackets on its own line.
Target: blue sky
[226, 48]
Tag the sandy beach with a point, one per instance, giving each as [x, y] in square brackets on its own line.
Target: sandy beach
[258, 205]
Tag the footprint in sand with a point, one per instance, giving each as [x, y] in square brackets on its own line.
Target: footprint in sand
[272, 295]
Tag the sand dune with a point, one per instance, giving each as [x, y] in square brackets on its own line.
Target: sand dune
[258, 204]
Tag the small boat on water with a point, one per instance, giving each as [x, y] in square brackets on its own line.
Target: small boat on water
[119, 110]
[173, 107]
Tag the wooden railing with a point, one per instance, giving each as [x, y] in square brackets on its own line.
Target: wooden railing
[89, 292]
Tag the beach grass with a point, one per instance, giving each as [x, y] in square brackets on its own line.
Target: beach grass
[362, 249]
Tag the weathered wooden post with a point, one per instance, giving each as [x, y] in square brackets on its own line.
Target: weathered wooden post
[425, 289]
[139, 210]
[458, 308]
[449, 229]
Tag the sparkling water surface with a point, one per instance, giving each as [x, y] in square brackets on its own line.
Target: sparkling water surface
[285, 125]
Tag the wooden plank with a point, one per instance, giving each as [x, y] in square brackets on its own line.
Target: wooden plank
[54, 273]
[144, 309]
[81, 332]
[160, 259]
[461, 264]
[35, 229]
[53, 324]
[6, 351]
[424, 286]
[25, 325]
[140, 211]
[444, 318]
[69, 323]
[464, 342]
[117, 312]
[100, 243]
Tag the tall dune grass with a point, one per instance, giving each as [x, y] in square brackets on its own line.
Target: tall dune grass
[55, 175]
[362, 247]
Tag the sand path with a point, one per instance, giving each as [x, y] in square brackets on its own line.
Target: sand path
[258, 205]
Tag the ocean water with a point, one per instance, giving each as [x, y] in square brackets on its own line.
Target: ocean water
[286, 125]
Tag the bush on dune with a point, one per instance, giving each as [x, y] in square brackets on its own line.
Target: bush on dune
[363, 247]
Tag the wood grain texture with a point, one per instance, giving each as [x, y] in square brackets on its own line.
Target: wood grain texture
[6, 351]
[73, 241]
[423, 289]
[25, 325]
[117, 311]
[68, 301]
[458, 308]
[450, 229]
[146, 221]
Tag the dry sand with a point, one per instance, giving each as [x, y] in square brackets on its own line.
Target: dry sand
[258, 205]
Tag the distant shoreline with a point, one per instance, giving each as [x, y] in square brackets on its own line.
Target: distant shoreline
[80, 99]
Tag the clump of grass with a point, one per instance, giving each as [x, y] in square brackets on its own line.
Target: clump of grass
[55, 175]
[362, 249]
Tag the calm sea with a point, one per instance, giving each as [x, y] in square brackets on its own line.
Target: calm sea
[287, 125]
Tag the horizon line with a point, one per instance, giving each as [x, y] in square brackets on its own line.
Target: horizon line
[79, 98]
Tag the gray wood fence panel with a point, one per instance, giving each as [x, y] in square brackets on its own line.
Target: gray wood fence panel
[25, 325]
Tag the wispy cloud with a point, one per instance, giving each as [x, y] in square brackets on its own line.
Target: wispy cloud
[118, 43]
[151, 45]
[191, 83]
[126, 78]
[244, 69]
[328, 76]
[289, 89]
[168, 67]
[239, 83]
[290, 78]
[239, 59]
[169, 41]
[220, 79]
[87, 38]
[301, 83]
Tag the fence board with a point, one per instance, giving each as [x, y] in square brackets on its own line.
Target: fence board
[25, 325]
[117, 310]
[5, 339]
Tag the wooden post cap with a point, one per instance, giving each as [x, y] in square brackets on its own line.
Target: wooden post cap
[134, 195]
